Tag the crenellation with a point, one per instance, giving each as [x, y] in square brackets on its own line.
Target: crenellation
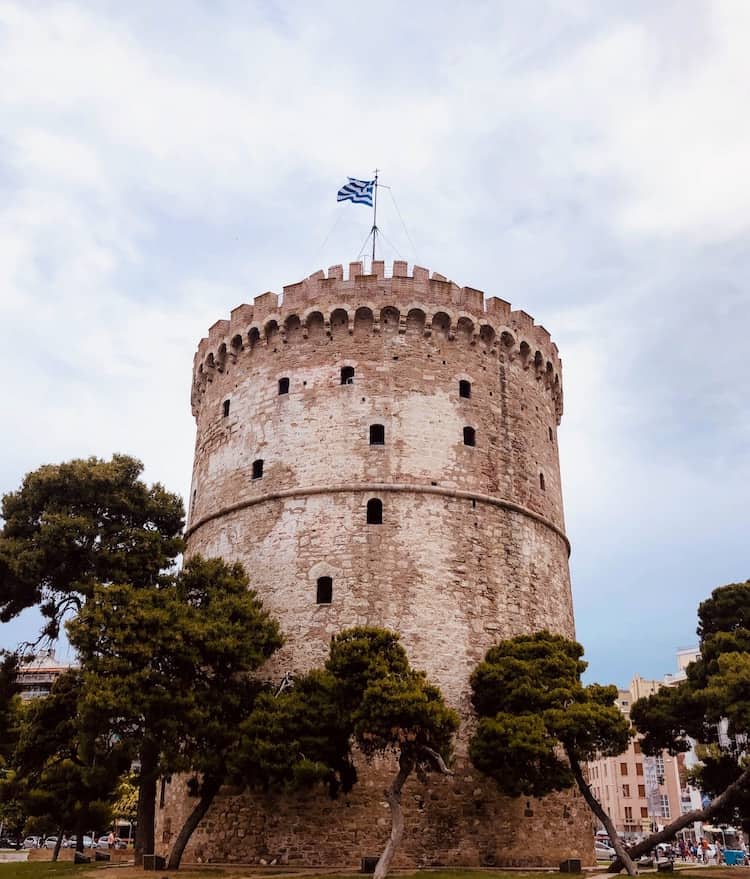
[378, 268]
[216, 333]
[355, 268]
[522, 321]
[336, 272]
[264, 305]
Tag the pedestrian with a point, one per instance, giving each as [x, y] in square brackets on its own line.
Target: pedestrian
[111, 839]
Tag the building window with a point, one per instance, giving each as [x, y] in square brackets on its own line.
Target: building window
[664, 802]
[470, 438]
[464, 388]
[644, 812]
[324, 594]
[641, 790]
[551, 438]
[636, 747]
[639, 768]
[257, 468]
[347, 375]
[623, 768]
[629, 814]
[374, 511]
[283, 386]
[377, 435]
[541, 481]
[626, 790]
[225, 408]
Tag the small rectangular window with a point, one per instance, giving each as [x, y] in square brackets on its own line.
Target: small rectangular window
[623, 768]
[324, 592]
[464, 389]
[347, 375]
[626, 790]
[641, 790]
[639, 768]
[257, 468]
[225, 408]
[470, 437]
[637, 747]
[644, 811]
[283, 386]
[377, 435]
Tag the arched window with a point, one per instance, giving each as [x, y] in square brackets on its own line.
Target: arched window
[470, 438]
[283, 386]
[377, 435]
[464, 388]
[324, 594]
[374, 511]
[257, 468]
[225, 408]
[347, 375]
[541, 481]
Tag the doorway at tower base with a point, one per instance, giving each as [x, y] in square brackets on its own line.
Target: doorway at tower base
[448, 821]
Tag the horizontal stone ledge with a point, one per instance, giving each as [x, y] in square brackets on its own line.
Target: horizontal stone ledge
[380, 487]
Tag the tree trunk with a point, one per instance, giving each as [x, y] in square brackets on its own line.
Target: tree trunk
[144, 834]
[596, 807]
[209, 789]
[670, 831]
[58, 844]
[393, 796]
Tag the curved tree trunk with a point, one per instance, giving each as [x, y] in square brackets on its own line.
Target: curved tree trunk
[669, 832]
[393, 796]
[596, 807]
[144, 834]
[209, 789]
[58, 844]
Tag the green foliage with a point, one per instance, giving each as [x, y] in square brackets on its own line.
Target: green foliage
[74, 525]
[712, 705]
[297, 738]
[366, 694]
[520, 754]
[166, 668]
[532, 707]
[9, 706]
[66, 769]
[717, 688]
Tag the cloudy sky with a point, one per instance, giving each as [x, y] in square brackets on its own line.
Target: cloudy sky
[163, 162]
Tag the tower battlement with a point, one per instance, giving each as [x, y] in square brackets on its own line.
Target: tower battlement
[430, 304]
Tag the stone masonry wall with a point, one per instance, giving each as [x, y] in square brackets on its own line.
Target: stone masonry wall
[471, 548]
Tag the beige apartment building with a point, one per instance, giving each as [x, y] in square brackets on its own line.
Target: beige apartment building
[637, 791]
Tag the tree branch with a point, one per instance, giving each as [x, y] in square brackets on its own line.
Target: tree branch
[435, 759]
[717, 803]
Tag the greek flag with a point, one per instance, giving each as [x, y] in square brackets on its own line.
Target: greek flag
[358, 191]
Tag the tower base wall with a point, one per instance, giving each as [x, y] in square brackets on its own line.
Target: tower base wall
[455, 821]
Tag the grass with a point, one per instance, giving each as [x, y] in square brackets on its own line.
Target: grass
[45, 869]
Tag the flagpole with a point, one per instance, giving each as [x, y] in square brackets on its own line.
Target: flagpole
[374, 217]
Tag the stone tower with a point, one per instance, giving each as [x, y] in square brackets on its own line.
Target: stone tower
[383, 450]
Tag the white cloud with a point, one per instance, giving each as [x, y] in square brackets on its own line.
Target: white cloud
[161, 164]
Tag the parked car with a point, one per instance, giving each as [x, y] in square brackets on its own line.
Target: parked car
[32, 842]
[103, 842]
[7, 842]
[604, 852]
[50, 842]
[88, 842]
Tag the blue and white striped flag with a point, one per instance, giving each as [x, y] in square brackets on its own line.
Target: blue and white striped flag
[358, 191]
